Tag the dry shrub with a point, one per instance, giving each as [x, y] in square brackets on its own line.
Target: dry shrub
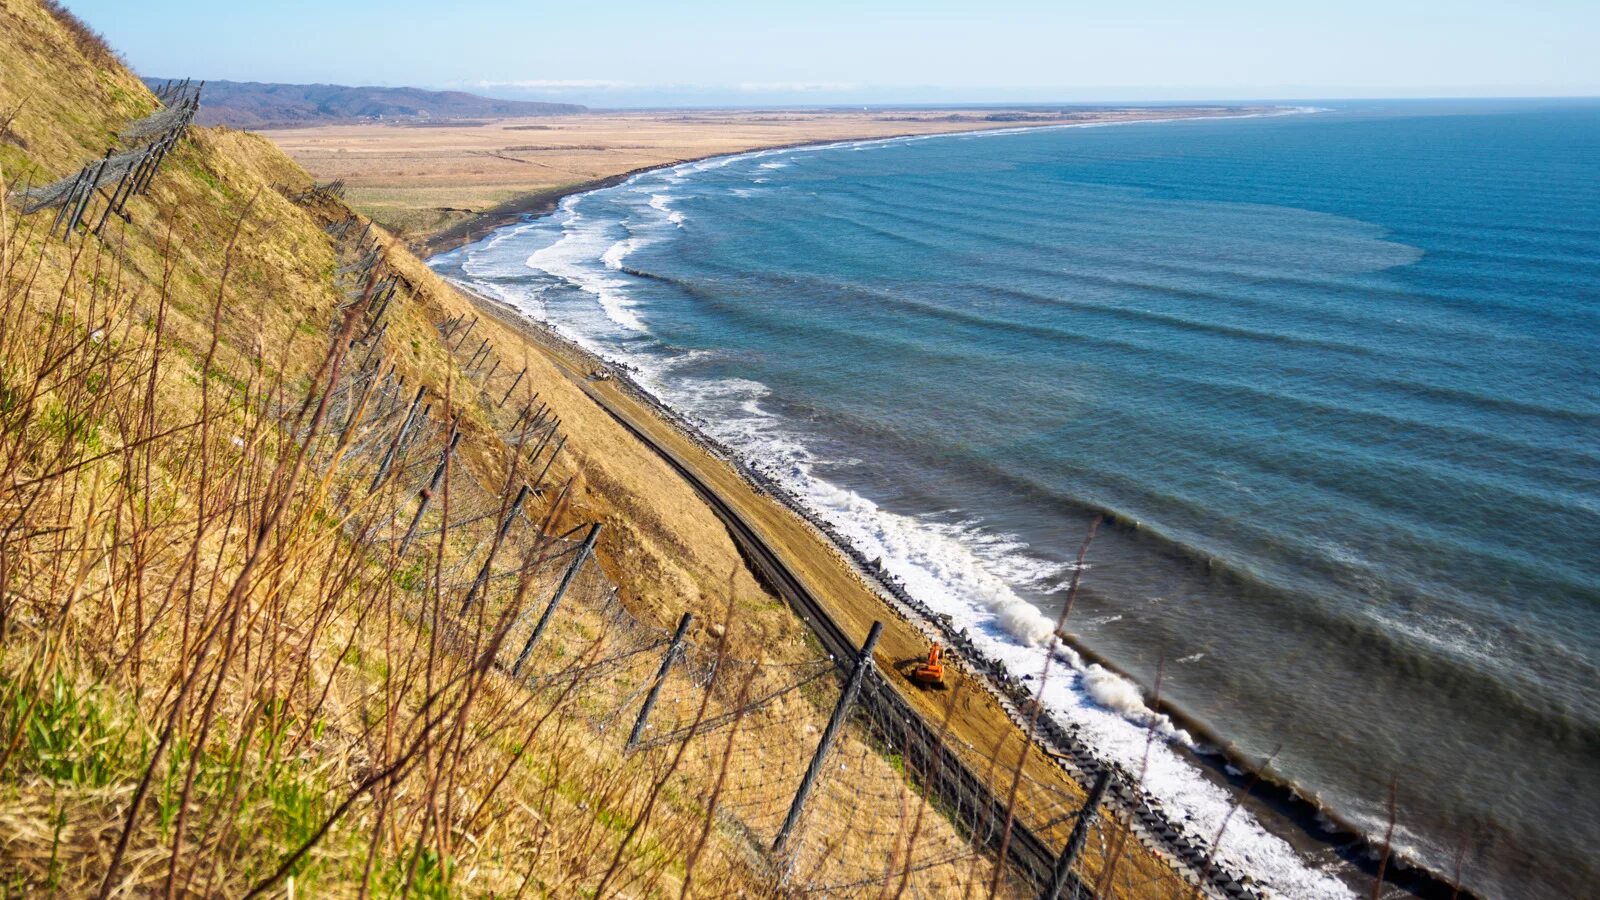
[92, 44]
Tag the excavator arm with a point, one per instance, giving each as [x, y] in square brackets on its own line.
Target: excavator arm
[930, 673]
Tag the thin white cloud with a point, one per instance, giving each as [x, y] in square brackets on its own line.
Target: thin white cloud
[556, 84]
[597, 84]
[797, 87]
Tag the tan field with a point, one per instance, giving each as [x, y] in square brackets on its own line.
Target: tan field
[443, 185]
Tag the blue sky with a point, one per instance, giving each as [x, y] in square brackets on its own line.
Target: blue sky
[709, 52]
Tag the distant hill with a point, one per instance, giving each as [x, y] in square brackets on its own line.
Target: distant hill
[250, 104]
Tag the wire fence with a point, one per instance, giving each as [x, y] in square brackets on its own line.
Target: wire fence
[128, 173]
[829, 780]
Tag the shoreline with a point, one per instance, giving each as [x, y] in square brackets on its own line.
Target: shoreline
[1292, 813]
[541, 203]
[1311, 825]
[1068, 756]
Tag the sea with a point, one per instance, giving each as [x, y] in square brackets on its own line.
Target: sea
[1330, 378]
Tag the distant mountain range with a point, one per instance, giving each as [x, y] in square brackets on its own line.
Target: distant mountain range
[250, 104]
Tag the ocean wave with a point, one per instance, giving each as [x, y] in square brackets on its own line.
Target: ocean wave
[660, 203]
[583, 241]
[618, 252]
[951, 566]
[956, 566]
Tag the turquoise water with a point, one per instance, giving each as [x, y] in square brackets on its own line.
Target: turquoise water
[1336, 375]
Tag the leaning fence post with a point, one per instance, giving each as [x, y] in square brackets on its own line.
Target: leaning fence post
[1080, 833]
[383, 306]
[547, 463]
[499, 538]
[549, 430]
[71, 201]
[433, 484]
[399, 438]
[116, 198]
[375, 342]
[161, 148]
[561, 590]
[513, 386]
[841, 710]
[661, 679]
[89, 188]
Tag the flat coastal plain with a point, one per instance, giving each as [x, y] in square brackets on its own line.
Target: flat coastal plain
[443, 184]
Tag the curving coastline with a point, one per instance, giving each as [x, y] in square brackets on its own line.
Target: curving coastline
[1285, 801]
[1288, 805]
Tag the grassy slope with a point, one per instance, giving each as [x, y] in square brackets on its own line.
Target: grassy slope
[120, 566]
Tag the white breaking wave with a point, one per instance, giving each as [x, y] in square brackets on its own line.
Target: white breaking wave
[660, 201]
[617, 252]
[582, 242]
[943, 566]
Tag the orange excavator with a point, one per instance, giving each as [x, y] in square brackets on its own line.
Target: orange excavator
[930, 673]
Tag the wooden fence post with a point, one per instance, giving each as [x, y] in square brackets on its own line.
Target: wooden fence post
[71, 201]
[1080, 834]
[89, 188]
[116, 198]
[433, 484]
[499, 538]
[374, 343]
[383, 307]
[841, 710]
[513, 386]
[661, 679]
[551, 461]
[561, 591]
[399, 438]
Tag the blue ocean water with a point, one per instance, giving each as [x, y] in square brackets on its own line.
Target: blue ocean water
[1335, 377]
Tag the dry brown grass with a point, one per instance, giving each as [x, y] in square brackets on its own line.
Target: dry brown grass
[89, 42]
[212, 684]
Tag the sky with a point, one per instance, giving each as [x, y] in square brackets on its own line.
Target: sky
[623, 53]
